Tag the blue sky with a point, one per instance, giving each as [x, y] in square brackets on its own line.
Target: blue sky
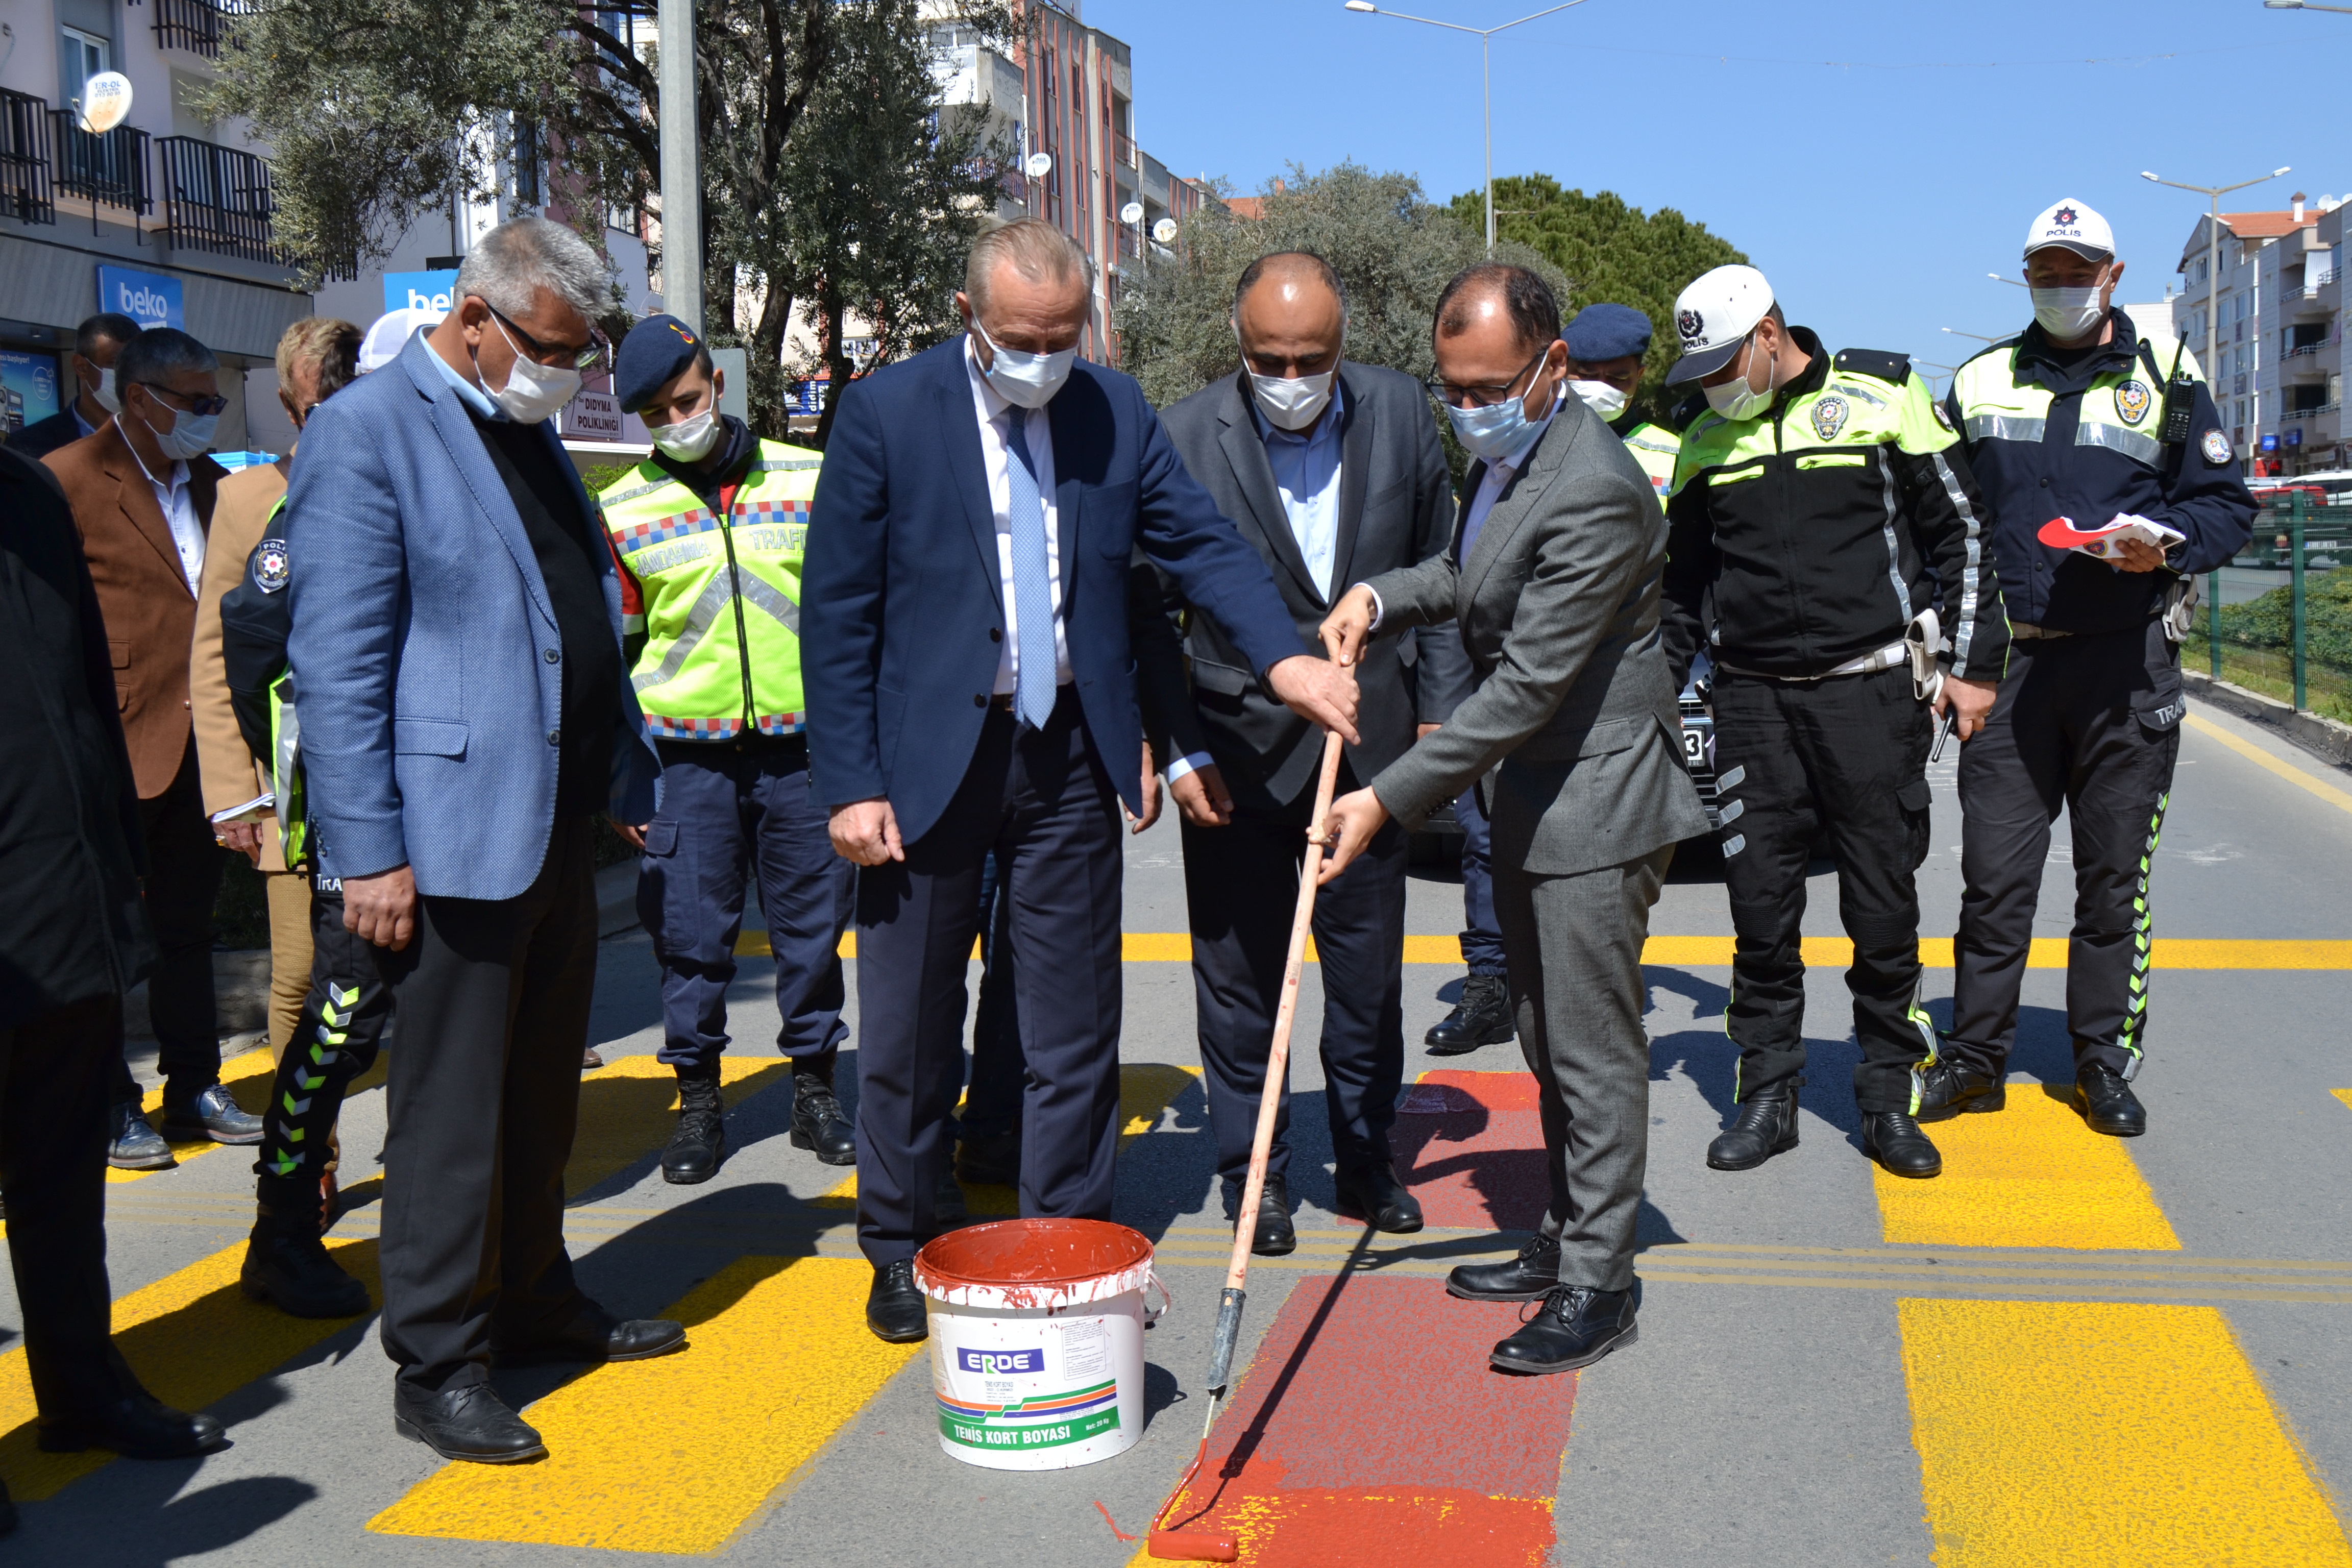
[1876, 198]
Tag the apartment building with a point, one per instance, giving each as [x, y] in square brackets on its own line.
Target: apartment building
[2276, 305]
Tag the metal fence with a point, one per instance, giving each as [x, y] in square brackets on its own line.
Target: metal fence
[2278, 618]
[217, 199]
[108, 170]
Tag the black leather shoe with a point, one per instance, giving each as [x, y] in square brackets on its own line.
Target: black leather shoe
[131, 1144]
[287, 1264]
[1766, 1126]
[138, 1427]
[991, 1160]
[1894, 1141]
[594, 1337]
[817, 1121]
[210, 1114]
[2108, 1104]
[1275, 1236]
[700, 1142]
[894, 1307]
[1948, 1089]
[1576, 1326]
[469, 1423]
[1483, 1017]
[1374, 1192]
[1529, 1277]
[589, 1060]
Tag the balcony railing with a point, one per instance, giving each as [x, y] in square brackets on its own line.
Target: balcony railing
[1122, 150]
[2308, 413]
[109, 171]
[196, 25]
[217, 198]
[2324, 279]
[25, 158]
[2300, 349]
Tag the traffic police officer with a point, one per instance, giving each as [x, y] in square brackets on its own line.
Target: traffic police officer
[708, 533]
[1825, 506]
[2080, 416]
[1606, 346]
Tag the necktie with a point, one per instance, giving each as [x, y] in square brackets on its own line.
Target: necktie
[1032, 594]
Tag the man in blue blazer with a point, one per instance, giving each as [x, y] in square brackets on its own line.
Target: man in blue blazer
[456, 661]
[965, 637]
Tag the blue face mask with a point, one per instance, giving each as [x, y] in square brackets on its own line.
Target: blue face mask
[1496, 434]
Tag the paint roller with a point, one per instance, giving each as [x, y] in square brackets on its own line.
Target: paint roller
[1219, 1545]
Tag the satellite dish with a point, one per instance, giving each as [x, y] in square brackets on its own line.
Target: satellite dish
[1131, 213]
[105, 102]
[1039, 164]
[1164, 231]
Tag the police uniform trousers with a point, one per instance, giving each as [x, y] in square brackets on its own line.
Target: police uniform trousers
[336, 1036]
[1042, 801]
[2090, 724]
[732, 811]
[1482, 939]
[1240, 891]
[1844, 757]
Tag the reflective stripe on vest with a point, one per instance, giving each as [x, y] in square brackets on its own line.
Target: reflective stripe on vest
[2122, 410]
[1654, 448]
[721, 597]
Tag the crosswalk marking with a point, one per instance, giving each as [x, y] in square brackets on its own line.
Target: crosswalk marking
[2082, 1435]
[249, 1071]
[2029, 1175]
[679, 1454]
[2343, 1094]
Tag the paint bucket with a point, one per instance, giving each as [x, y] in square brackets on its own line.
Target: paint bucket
[1037, 1340]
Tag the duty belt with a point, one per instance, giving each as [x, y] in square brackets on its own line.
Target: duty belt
[1887, 657]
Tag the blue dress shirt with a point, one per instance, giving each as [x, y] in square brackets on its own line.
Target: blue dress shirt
[1307, 471]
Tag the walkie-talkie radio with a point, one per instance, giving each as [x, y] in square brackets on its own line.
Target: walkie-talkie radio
[2179, 401]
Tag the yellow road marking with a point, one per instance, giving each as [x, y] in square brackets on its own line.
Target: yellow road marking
[2079, 1435]
[679, 1454]
[2029, 1175]
[2341, 800]
[2343, 1094]
[249, 1071]
[626, 1106]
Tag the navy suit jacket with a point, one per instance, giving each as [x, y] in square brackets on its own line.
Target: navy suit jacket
[902, 591]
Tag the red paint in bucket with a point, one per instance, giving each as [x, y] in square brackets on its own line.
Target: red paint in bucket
[1034, 1261]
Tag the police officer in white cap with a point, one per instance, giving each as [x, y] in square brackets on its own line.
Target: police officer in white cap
[2080, 416]
[1826, 543]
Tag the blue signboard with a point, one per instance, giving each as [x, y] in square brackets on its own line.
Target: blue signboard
[2270, 443]
[420, 290]
[28, 388]
[149, 299]
[2294, 436]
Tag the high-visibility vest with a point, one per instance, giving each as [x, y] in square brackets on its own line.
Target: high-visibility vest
[1655, 447]
[720, 597]
[2122, 410]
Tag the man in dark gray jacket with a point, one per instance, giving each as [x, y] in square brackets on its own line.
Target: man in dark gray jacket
[1333, 473]
[1554, 580]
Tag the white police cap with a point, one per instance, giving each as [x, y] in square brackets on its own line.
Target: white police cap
[2072, 225]
[390, 334]
[1713, 316]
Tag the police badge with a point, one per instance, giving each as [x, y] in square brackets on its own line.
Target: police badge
[1693, 327]
[1943, 414]
[2133, 401]
[1829, 415]
[2216, 448]
[270, 566]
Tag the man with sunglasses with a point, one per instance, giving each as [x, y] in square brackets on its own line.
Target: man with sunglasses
[457, 665]
[143, 492]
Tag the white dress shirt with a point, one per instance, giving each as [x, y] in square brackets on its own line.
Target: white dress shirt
[179, 507]
[995, 414]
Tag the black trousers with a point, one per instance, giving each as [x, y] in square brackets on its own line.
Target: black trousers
[1043, 802]
[493, 998]
[992, 1098]
[2091, 723]
[335, 1040]
[1482, 935]
[183, 876]
[1241, 891]
[54, 1075]
[1846, 756]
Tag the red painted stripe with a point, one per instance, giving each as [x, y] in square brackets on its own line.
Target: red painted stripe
[1369, 1429]
[1470, 1145]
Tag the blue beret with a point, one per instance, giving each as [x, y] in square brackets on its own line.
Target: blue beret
[656, 350]
[1606, 331]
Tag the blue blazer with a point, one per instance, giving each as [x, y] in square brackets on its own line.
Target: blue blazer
[419, 620]
[901, 590]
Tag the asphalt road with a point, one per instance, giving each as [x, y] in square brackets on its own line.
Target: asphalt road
[2069, 1350]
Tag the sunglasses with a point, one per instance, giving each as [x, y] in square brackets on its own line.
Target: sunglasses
[581, 357]
[185, 402]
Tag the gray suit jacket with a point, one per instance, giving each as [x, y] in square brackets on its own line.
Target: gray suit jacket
[1558, 606]
[1396, 508]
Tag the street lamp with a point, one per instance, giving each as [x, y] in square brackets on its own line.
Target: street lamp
[1958, 333]
[2010, 281]
[2213, 252]
[1487, 69]
[2302, 6]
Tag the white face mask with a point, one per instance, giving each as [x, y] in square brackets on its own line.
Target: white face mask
[689, 440]
[1499, 431]
[533, 392]
[2068, 313]
[1601, 397]
[1734, 399]
[189, 437]
[103, 393]
[1025, 380]
[1292, 403]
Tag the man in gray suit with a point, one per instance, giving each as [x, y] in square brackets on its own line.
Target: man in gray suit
[1554, 580]
[1332, 472]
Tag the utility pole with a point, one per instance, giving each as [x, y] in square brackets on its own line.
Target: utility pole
[2213, 267]
[681, 168]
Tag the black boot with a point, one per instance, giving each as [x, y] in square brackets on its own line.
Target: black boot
[2107, 1103]
[1576, 1326]
[1948, 1088]
[1483, 1017]
[1766, 1126]
[1894, 1141]
[700, 1142]
[817, 1121]
[1529, 1277]
[286, 1263]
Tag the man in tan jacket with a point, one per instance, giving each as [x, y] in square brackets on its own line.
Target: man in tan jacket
[143, 492]
[317, 356]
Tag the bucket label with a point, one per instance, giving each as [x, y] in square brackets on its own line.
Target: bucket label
[1002, 1364]
[1042, 1421]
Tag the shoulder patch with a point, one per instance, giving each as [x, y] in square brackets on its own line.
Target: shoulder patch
[1943, 414]
[272, 568]
[2216, 448]
[1876, 363]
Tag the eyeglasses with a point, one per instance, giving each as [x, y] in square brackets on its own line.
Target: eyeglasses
[581, 357]
[1454, 396]
[187, 403]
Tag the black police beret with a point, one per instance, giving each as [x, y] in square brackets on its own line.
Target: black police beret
[1607, 332]
[656, 350]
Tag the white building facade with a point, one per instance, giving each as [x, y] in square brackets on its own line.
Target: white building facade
[2276, 308]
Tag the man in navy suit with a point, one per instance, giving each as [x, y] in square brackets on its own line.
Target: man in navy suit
[965, 628]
